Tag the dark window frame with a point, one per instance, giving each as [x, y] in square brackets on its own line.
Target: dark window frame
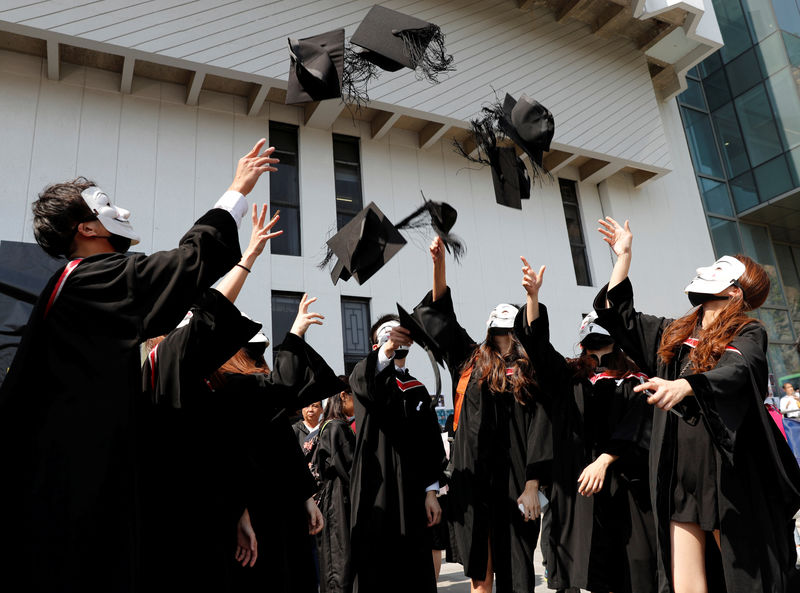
[351, 358]
[277, 337]
[570, 201]
[345, 214]
[275, 201]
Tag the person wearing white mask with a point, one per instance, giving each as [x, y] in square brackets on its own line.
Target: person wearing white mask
[68, 507]
[503, 441]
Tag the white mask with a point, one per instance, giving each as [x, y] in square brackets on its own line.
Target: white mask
[113, 218]
[717, 277]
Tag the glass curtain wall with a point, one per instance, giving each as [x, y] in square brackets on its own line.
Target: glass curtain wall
[741, 115]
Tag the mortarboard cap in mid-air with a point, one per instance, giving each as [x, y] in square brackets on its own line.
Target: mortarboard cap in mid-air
[364, 245]
[509, 177]
[316, 67]
[529, 124]
[418, 333]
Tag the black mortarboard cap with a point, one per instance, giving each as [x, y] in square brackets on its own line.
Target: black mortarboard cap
[364, 245]
[510, 177]
[392, 40]
[418, 333]
[316, 67]
[529, 124]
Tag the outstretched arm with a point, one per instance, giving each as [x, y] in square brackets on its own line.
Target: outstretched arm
[232, 283]
[439, 269]
[620, 239]
[531, 282]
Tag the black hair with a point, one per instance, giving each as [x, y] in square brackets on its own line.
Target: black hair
[57, 213]
[381, 320]
[333, 409]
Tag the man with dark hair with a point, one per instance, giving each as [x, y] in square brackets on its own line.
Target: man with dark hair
[396, 466]
[69, 501]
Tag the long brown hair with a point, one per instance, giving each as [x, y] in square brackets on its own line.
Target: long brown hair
[617, 364]
[490, 365]
[754, 284]
[239, 364]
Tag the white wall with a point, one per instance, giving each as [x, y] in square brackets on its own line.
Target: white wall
[168, 162]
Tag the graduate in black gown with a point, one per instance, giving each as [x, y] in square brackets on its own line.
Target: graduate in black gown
[276, 484]
[503, 444]
[189, 438]
[601, 535]
[723, 481]
[332, 461]
[396, 465]
[67, 407]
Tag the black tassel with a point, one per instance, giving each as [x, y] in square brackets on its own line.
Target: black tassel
[422, 219]
[425, 48]
[357, 75]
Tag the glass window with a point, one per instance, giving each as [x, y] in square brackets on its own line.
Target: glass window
[734, 29]
[347, 177]
[758, 125]
[744, 72]
[693, 73]
[794, 163]
[284, 311]
[572, 213]
[725, 236]
[783, 360]
[773, 178]
[745, 195]
[779, 326]
[715, 196]
[785, 101]
[757, 245]
[789, 266]
[792, 45]
[760, 17]
[717, 91]
[284, 189]
[701, 143]
[788, 15]
[772, 54]
[730, 140]
[693, 95]
[711, 64]
[355, 331]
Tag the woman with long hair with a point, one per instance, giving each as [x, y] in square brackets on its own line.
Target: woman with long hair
[333, 459]
[600, 537]
[723, 483]
[502, 445]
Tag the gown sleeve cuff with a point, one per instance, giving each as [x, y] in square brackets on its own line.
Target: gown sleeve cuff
[234, 203]
[621, 293]
[443, 304]
[539, 470]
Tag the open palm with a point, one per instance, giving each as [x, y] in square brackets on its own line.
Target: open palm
[619, 237]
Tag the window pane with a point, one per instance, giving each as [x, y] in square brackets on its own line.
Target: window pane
[784, 360]
[693, 72]
[717, 91]
[772, 54]
[794, 163]
[758, 125]
[784, 98]
[355, 331]
[693, 95]
[572, 214]
[725, 236]
[347, 178]
[283, 183]
[734, 29]
[715, 196]
[711, 64]
[284, 310]
[730, 140]
[283, 137]
[757, 245]
[289, 242]
[743, 72]
[701, 143]
[792, 45]
[779, 326]
[789, 266]
[744, 192]
[773, 178]
[582, 276]
[788, 15]
[574, 231]
[760, 16]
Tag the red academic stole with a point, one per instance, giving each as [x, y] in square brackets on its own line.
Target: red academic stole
[693, 342]
[68, 269]
[606, 375]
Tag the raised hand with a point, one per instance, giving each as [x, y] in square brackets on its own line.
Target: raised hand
[305, 318]
[399, 337]
[251, 166]
[531, 281]
[261, 231]
[618, 237]
[437, 251]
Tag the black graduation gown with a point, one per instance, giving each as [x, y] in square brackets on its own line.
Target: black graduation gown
[398, 454]
[67, 411]
[333, 460]
[188, 439]
[306, 439]
[276, 479]
[605, 542]
[499, 445]
[757, 481]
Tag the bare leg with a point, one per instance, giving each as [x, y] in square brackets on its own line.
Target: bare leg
[437, 563]
[688, 558]
[484, 586]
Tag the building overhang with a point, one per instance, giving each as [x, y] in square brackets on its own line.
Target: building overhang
[781, 214]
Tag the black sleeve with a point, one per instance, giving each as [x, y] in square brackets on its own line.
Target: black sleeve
[375, 391]
[539, 453]
[631, 435]
[439, 320]
[153, 292]
[638, 334]
[725, 393]
[188, 354]
[552, 370]
[334, 455]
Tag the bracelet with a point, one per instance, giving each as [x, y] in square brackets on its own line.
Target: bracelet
[245, 268]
